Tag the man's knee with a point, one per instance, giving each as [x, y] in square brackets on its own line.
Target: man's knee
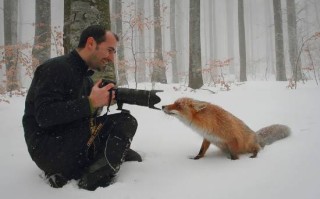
[122, 124]
[130, 121]
[127, 125]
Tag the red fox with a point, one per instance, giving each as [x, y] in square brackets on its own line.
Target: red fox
[221, 128]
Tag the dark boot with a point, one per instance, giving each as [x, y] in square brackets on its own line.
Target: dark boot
[101, 172]
[132, 156]
[97, 175]
[57, 180]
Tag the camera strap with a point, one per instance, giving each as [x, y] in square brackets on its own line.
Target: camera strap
[94, 128]
[110, 99]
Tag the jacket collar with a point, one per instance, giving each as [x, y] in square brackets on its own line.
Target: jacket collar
[78, 61]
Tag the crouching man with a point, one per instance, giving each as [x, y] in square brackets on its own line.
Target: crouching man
[64, 137]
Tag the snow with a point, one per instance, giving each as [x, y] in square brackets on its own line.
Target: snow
[286, 169]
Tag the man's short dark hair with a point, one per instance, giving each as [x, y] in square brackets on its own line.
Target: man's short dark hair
[96, 31]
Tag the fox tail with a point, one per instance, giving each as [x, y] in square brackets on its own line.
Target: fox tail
[272, 133]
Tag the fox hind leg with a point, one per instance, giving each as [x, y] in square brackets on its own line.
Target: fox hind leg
[233, 148]
[255, 151]
[254, 154]
[204, 147]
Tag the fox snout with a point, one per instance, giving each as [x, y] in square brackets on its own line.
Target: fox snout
[168, 109]
[165, 109]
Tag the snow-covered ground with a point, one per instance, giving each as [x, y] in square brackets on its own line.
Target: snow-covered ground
[288, 169]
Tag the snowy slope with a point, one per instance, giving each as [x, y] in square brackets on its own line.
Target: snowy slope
[289, 168]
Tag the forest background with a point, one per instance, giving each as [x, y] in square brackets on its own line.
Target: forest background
[193, 43]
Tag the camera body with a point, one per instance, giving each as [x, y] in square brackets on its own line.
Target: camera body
[134, 96]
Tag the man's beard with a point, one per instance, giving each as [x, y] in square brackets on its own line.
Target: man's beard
[98, 65]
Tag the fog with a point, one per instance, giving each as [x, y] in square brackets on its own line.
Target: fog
[223, 45]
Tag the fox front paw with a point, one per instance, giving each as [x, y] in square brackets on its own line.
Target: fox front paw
[196, 157]
[234, 157]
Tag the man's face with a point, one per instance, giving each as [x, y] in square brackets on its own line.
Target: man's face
[103, 53]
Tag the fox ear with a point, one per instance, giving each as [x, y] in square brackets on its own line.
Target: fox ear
[198, 106]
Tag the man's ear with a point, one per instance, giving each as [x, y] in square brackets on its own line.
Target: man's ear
[198, 106]
[90, 42]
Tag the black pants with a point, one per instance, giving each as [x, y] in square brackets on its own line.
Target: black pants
[112, 124]
[67, 152]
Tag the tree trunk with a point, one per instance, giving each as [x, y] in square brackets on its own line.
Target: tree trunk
[175, 78]
[280, 64]
[41, 50]
[269, 39]
[293, 45]
[122, 77]
[195, 69]
[214, 31]
[10, 42]
[182, 27]
[66, 27]
[141, 44]
[159, 70]
[242, 42]
[84, 13]
[230, 38]
[213, 40]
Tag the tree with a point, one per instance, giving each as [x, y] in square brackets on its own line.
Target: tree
[120, 52]
[280, 64]
[175, 78]
[292, 34]
[182, 27]
[141, 73]
[42, 41]
[230, 25]
[79, 14]
[66, 27]
[159, 70]
[213, 39]
[214, 35]
[10, 41]
[195, 69]
[242, 42]
[270, 46]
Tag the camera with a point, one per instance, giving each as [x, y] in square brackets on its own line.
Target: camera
[138, 97]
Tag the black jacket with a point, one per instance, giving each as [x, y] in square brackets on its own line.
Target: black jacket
[56, 113]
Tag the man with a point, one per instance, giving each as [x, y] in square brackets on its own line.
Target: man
[63, 136]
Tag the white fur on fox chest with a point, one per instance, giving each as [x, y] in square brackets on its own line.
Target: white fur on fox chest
[205, 134]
